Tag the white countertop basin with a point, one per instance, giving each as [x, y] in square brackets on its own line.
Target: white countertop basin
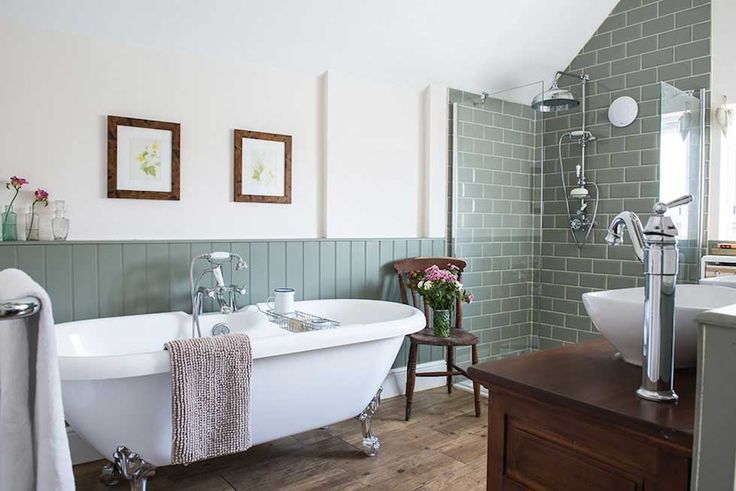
[619, 314]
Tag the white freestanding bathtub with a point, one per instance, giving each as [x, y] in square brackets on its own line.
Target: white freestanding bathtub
[117, 387]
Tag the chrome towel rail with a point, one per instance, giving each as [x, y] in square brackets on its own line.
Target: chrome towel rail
[19, 308]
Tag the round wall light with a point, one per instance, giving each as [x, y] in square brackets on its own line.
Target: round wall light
[623, 111]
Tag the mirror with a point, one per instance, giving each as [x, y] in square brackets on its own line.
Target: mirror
[722, 224]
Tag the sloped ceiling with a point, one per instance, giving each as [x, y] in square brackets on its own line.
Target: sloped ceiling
[476, 45]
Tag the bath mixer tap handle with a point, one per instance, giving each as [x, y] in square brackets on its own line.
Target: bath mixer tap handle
[661, 208]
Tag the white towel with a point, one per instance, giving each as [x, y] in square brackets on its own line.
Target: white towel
[34, 448]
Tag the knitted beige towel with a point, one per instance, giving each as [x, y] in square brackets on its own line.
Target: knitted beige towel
[210, 396]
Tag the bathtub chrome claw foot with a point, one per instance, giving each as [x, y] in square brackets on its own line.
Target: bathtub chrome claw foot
[109, 476]
[371, 443]
[127, 465]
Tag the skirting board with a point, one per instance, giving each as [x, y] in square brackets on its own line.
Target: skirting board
[467, 386]
[394, 385]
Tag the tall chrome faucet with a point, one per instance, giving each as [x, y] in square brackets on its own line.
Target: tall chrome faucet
[225, 295]
[656, 246]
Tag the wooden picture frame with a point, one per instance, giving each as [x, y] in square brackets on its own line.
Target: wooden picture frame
[142, 159]
[267, 178]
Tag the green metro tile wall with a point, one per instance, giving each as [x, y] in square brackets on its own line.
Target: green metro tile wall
[640, 44]
[102, 279]
[496, 230]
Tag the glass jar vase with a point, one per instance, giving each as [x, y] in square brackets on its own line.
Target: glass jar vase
[60, 223]
[9, 224]
[32, 225]
[441, 322]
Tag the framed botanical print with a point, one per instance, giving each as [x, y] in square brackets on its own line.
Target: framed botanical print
[262, 167]
[142, 159]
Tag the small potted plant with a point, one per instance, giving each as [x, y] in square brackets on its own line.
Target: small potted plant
[440, 288]
[10, 223]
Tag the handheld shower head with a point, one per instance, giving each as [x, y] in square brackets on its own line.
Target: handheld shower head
[579, 193]
[217, 258]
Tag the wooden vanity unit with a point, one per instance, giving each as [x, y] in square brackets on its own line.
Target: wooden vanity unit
[569, 419]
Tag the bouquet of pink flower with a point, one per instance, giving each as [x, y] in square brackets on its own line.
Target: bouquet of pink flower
[440, 287]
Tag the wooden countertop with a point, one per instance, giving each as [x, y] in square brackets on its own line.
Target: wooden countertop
[588, 377]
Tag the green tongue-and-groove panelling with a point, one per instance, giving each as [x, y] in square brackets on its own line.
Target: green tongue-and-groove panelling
[89, 279]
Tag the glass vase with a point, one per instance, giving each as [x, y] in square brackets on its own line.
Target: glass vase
[10, 224]
[441, 322]
[32, 225]
[60, 223]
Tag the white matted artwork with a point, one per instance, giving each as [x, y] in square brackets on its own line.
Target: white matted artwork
[262, 167]
[143, 159]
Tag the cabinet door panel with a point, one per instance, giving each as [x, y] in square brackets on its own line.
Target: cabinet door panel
[542, 464]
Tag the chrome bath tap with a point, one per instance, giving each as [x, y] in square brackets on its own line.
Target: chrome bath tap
[656, 247]
[226, 296]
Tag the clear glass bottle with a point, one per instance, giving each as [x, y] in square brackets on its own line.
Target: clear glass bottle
[9, 224]
[60, 223]
[32, 225]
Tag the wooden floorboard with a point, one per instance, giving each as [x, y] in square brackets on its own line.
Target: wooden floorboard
[443, 447]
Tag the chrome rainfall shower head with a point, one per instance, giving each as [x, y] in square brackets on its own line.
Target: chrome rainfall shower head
[555, 99]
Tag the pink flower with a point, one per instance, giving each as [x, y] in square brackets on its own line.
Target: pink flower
[40, 196]
[16, 183]
[434, 273]
[471, 298]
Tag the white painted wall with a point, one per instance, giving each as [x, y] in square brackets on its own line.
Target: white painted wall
[375, 159]
[475, 45]
[723, 82]
[57, 89]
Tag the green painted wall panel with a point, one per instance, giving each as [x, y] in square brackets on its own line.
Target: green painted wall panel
[84, 284]
[31, 260]
[110, 279]
[372, 269]
[259, 272]
[357, 269]
[327, 269]
[276, 266]
[342, 269]
[311, 270]
[59, 280]
[413, 248]
[388, 288]
[135, 293]
[102, 279]
[157, 277]
[178, 276]
[9, 257]
[295, 267]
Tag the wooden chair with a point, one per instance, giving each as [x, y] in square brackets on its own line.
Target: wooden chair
[458, 336]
